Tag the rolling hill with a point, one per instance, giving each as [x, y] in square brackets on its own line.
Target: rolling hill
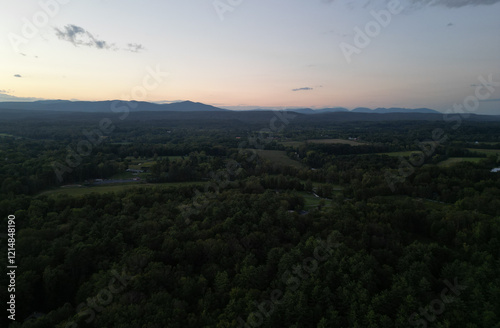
[107, 106]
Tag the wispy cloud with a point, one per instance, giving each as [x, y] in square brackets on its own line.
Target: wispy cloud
[134, 47]
[303, 89]
[78, 36]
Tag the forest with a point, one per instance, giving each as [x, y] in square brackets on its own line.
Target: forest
[252, 220]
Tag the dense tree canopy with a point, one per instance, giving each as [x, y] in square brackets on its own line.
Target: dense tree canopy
[300, 233]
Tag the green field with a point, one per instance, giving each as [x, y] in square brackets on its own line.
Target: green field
[336, 141]
[401, 153]
[293, 144]
[296, 144]
[280, 157]
[310, 200]
[454, 160]
[137, 164]
[102, 189]
[486, 152]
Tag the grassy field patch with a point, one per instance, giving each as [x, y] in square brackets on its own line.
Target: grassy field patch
[293, 144]
[486, 152]
[102, 189]
[454, 160]
[309, 200]
[336, 141]
[280, 157]
[401, 153]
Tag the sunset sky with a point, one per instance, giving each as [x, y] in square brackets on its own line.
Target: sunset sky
[272, 53]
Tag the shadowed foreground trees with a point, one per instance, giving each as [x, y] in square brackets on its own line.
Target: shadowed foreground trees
[390, 258]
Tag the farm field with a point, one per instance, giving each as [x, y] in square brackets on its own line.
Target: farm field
[83, 190]
[293, 144]
[336, 141]
[400, 153]
[485, 151]
[309, 199]
[454, 160]
[280, 157]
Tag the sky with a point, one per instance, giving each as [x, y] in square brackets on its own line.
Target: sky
[262, 53]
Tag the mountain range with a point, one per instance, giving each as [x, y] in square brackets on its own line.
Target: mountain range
[185, 106]
[107, 106]
[364, 110]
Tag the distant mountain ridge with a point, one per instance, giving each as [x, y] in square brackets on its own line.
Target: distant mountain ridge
[184, 106]
[318, 111]
[252, 118]
[109, 105]
[365, 110]
[391, 110]
[395, 110]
